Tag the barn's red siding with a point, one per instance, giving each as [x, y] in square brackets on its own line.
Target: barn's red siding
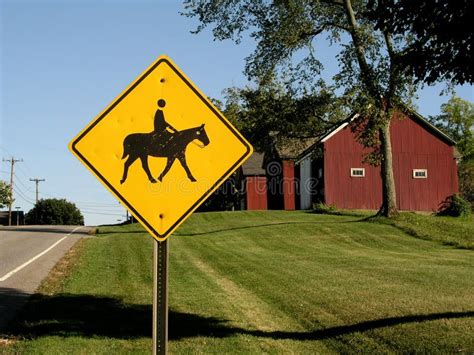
[289, 184]
[256, 192]
[413, 147]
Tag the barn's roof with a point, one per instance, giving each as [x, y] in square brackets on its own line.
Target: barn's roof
[254, 165]
[409, 112]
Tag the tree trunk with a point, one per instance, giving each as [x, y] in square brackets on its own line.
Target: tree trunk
[389, 194]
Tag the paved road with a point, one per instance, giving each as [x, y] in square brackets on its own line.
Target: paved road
[27, 254]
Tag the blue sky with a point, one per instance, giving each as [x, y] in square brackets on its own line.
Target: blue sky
[62, 62]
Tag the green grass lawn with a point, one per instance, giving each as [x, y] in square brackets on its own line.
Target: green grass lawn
[261, 282]
[458, 232]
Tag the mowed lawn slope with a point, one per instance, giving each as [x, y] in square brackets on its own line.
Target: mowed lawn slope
[258, 282]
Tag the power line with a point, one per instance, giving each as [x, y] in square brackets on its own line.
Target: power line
[17, 189]
[98, 204]
[5, 150]
[24, 198]
[92, 206]
[28, 167]
[101, 213]
[22, 184]
[22, 172]
[88, 203]
[100, 210]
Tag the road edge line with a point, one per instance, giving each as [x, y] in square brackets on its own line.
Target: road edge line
[13, 272]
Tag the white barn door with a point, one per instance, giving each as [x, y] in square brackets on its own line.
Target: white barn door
[305, 184]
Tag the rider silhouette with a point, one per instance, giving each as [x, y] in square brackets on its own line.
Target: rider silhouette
[161, 126]
[163, 142]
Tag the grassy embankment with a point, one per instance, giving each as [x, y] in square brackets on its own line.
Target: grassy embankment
[265, 282]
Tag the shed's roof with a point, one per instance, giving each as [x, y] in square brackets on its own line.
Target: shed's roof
[254, 165]
[293, 148]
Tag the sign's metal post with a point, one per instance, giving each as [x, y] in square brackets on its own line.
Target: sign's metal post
[160, 297]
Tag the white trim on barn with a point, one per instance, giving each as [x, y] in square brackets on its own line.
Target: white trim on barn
[304, 157]
[305, 183]
[332, 133]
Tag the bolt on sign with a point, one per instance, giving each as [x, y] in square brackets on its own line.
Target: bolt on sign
[161, 148]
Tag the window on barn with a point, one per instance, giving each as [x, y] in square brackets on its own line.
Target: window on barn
[420, 173]
[357, 172]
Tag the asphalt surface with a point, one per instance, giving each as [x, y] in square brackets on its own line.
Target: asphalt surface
[27, 254]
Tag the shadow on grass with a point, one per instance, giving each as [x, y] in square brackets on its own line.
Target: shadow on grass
[84, 315]
[420, 230]
[265, 225]
[121, 231]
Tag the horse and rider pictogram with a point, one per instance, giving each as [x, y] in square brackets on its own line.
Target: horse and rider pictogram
[161, 143]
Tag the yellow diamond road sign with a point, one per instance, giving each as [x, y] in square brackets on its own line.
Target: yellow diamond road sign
[161, 148]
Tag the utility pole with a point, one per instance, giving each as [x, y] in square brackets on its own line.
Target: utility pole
[12, 161]
[37, 181]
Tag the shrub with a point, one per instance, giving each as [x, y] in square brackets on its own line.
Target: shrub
[54, 211]
[466, 179]
[322, 208]
[455, 206]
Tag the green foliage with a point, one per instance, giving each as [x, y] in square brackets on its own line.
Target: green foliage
[273, 112]
[54, 212]
[286, 32]
[455, 206]
[5, 195]
[227, 197]
[457, 120]
[442, 34]
[466, 179]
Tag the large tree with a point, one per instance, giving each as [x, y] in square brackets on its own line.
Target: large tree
[371, 74]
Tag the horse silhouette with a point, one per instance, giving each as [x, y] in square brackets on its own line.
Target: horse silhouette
[165, 145]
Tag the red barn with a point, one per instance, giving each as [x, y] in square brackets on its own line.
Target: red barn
[331, 170]
[424, 166]
[255, 183]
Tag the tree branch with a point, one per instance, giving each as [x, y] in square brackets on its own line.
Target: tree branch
[333, 2]
[305, 35]
[367, 75]
[394, 67]
[337, 25]
[319, 30]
